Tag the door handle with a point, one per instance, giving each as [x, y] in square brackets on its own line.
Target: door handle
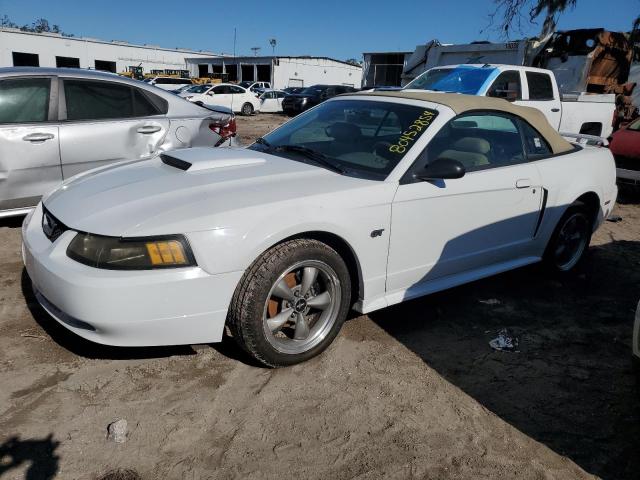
[149, 129]
[523, 183]
[38, 137]
[555, 109]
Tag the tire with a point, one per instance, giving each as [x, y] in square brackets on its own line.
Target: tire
[270, 324]
[570, 240]
[247, 109]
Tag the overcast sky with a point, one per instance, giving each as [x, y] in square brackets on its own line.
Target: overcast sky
[340, 29]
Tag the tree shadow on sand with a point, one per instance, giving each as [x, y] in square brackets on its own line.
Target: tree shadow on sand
[38, 454]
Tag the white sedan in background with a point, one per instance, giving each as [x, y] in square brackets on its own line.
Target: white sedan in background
[226, 95]
[271, 101]
[365, 201]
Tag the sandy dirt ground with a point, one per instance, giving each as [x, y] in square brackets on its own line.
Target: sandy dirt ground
[412, 391]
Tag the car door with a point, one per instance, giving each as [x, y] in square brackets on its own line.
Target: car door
[269, 103]
[29, 152]
[104, 122]
[279, 98]
[542, 93]
[219, 95]
[484, 219]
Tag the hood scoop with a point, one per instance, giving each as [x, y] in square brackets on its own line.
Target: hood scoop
[201, 158]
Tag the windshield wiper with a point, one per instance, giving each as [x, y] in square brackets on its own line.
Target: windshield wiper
[312, 154]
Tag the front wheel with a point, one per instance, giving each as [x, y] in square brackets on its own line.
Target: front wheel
[570, 240]
[291, 303]
[247, 109]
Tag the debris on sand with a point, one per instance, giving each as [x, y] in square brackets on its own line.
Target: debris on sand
[505, 342]
[117, 431]
[121, 474]
[614, 218]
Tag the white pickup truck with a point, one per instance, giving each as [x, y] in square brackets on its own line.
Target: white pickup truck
[578, 113]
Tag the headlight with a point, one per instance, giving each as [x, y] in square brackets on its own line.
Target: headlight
[115, 253]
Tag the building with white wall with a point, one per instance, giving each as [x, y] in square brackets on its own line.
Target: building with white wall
[18, 48]
[281, 71]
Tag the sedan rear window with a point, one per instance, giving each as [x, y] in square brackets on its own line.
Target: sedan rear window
[97, 100]
[362, 137]
[24, 100]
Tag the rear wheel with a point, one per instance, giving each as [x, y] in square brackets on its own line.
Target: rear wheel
[247, 109]
[570, 240]
[291, 303]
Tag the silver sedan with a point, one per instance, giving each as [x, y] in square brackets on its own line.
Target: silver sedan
[58, 122]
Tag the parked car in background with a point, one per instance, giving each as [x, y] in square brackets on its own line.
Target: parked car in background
[578, 113]
[271, 101]
[290, 90]
[168, 83]
[279, 241]
[196, 91]
[183, 88]
[256, 87]
[228, 95]
[56, 123]
[625, 146]
[312, 96]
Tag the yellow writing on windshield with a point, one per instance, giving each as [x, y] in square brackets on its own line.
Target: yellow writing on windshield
[412, 133]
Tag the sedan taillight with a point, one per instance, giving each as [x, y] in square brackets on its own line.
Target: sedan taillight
[227, 130]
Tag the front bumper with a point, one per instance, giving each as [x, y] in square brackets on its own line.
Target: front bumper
[125, 308]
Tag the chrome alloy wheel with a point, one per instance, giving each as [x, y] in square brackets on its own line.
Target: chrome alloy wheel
[302, 306]
[572, 241]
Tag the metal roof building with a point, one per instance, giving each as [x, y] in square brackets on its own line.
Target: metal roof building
[280, 71]
[27, 49]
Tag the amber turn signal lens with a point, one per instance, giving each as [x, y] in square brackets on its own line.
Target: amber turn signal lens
[169, 252]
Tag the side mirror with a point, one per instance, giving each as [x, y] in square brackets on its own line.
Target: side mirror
[442, 169]
[210, 94]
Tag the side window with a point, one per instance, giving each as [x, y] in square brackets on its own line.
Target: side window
[507, 86]
[234, 89]
[24, 100]
[540, 86]
[90, 100]
[534, 144]
[220, 90]
[280, 94]
[142, 106]
[478, 141]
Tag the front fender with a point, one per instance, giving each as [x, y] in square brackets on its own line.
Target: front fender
[251, 233]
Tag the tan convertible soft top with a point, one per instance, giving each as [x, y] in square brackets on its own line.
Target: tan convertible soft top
[465, 103]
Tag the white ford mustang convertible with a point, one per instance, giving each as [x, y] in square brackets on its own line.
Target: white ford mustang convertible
[362, 202]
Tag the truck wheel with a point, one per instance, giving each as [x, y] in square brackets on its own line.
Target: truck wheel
[291, 303]
[247, 109]
[570, 240]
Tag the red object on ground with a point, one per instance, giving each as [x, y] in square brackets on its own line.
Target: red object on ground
[626, 142]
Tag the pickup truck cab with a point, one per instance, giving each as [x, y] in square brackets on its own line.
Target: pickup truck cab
[576, 113]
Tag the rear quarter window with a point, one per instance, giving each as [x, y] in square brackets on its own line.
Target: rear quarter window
[540, 86]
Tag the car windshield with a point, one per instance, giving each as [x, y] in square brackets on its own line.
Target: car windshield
[362, 138]
[313, 90]
[466, 80]
[198, 88]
